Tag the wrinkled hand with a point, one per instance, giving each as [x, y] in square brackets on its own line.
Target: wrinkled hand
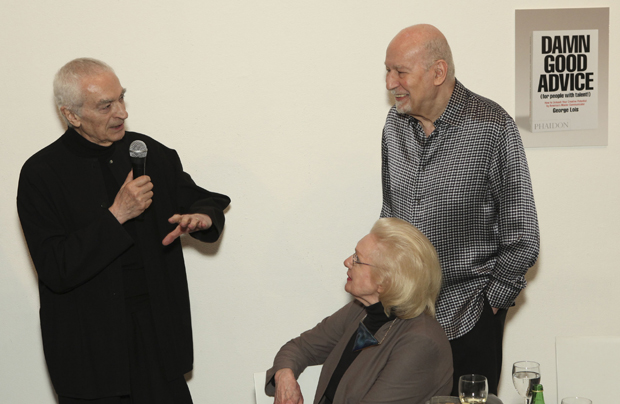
[133, 198]
[287, 388]
[187, 224]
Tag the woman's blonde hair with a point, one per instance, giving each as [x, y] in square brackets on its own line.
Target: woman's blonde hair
[407, 268]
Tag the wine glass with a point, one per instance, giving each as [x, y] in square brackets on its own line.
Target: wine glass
[473, 389]
[525, 375]
[576, 400]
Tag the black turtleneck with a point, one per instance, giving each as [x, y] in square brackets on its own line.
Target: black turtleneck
[375, 318]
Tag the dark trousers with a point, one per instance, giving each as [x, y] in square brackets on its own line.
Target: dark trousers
[480, 350]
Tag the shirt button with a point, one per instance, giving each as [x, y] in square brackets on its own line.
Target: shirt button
[103, 205]
[111, 161]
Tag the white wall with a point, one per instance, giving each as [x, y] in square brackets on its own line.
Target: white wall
[280, 104]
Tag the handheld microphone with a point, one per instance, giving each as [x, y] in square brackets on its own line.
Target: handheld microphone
[137, 155]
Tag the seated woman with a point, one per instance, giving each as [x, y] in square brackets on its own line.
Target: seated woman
[385, 346]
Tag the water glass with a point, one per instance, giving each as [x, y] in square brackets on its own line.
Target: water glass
[473, 389]
[525, 375]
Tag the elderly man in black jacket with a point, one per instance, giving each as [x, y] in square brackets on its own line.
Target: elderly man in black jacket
[115, 314]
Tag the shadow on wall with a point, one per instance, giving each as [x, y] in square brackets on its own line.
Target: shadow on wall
[523, 122]
[36, 283]
[208, 249]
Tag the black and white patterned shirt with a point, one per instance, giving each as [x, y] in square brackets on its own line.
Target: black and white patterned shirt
[467, 188]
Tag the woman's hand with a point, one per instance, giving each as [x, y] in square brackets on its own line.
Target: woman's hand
[287, 388]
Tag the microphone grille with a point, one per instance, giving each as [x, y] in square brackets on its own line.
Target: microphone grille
[138, 149]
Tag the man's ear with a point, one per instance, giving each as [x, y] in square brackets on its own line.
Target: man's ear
[440, 68]
[73, 119]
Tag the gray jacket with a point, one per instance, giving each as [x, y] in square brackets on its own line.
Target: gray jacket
[412, 364]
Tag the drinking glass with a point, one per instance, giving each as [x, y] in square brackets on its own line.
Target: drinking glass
[473, 389]
[576, 400]
[525, 375]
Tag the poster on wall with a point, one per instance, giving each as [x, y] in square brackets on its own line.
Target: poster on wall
[564, 85]
[561, 84]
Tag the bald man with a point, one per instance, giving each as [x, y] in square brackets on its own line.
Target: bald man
[453, 165]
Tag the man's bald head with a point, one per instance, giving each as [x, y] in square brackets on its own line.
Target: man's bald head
[427, 43]
[420, 73]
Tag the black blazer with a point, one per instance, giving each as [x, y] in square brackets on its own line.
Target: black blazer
[74, 242]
